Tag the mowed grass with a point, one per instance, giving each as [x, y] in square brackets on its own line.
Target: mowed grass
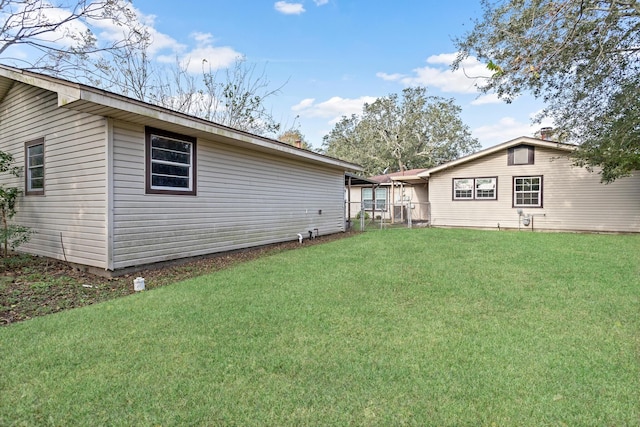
[391, 327]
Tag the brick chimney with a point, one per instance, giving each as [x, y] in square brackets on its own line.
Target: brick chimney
[298, 143]
[546, 133]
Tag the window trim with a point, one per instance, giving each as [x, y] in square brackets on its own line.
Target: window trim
[27, 169]
[386, 199]
[453, 189]
[474, 189]
[192, 191]
[540, 192]
[530, 158]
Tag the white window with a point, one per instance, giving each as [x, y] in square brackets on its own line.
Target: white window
[475, 188]
[381, 199]
[486, 188]
[527, 191]
[34, 167]
[463, 188]
[171, 163]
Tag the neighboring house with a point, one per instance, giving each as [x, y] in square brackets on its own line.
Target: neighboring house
[391, 196]
[113, 183]
[530, 183]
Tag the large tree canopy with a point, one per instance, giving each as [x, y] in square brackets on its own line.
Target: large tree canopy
[582, 57]
[398, 133]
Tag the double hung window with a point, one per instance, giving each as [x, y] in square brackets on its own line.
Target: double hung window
[475, 188]
[34, 167]
[380, 199]
[171, 163]
[527, 191]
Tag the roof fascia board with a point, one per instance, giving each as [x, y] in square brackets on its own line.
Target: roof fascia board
[482, 153]
[148, 110]
[70, 93]
[67, 92]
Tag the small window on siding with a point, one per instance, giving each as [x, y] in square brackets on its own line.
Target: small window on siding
[34, 167]
[521, 155]
[170, 162]
[463, 189]
[381, 199]
[486, 188]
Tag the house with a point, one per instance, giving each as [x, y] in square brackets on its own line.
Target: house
[529, 183]
[392, 196]
[113, 183]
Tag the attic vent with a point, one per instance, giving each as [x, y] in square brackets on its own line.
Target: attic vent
[521, 155]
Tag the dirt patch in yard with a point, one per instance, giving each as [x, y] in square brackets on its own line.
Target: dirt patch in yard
[35, 286]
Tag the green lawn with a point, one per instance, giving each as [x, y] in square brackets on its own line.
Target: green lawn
[391, 327]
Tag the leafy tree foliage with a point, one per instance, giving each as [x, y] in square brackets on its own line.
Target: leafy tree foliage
[11, 235]
[582, 57]
[402, 132]
[292, 137]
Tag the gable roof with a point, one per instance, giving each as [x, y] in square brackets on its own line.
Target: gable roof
[100, 102]
[505, 145]
[405, 176]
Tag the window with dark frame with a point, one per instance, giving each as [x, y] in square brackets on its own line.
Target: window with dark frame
[170, 163]
[521, 155]
[34, 167]
[527, 191]
[475, 188]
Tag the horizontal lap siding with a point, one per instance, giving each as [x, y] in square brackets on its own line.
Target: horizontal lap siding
[69, 220]
[244, 199]
[573, 198]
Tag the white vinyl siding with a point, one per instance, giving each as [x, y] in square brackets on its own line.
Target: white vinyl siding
[244, 199]
[69, 219]
[572, 199]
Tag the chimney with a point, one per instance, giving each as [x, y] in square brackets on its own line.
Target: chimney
[298, 143]
[546, 133]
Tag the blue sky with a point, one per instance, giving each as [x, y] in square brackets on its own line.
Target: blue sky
[334, 55]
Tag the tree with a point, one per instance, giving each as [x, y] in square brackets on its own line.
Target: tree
[292, 137]
[11, 235]
[61, 35]
[582, 57]
[412, 131]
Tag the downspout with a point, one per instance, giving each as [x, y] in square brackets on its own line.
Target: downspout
[393, 200]
[349, 205]
[109, 194]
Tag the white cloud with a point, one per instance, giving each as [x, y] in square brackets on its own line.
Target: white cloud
[213, 57]
[438, 74]
[390, 77]
[507, 128]
[289, 8]
[320, 2]
[49, 15]
[333, 108]
[491, 98]
[305, 103]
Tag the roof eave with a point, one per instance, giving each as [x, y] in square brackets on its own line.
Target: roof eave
[78, 97]
[487, 151]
